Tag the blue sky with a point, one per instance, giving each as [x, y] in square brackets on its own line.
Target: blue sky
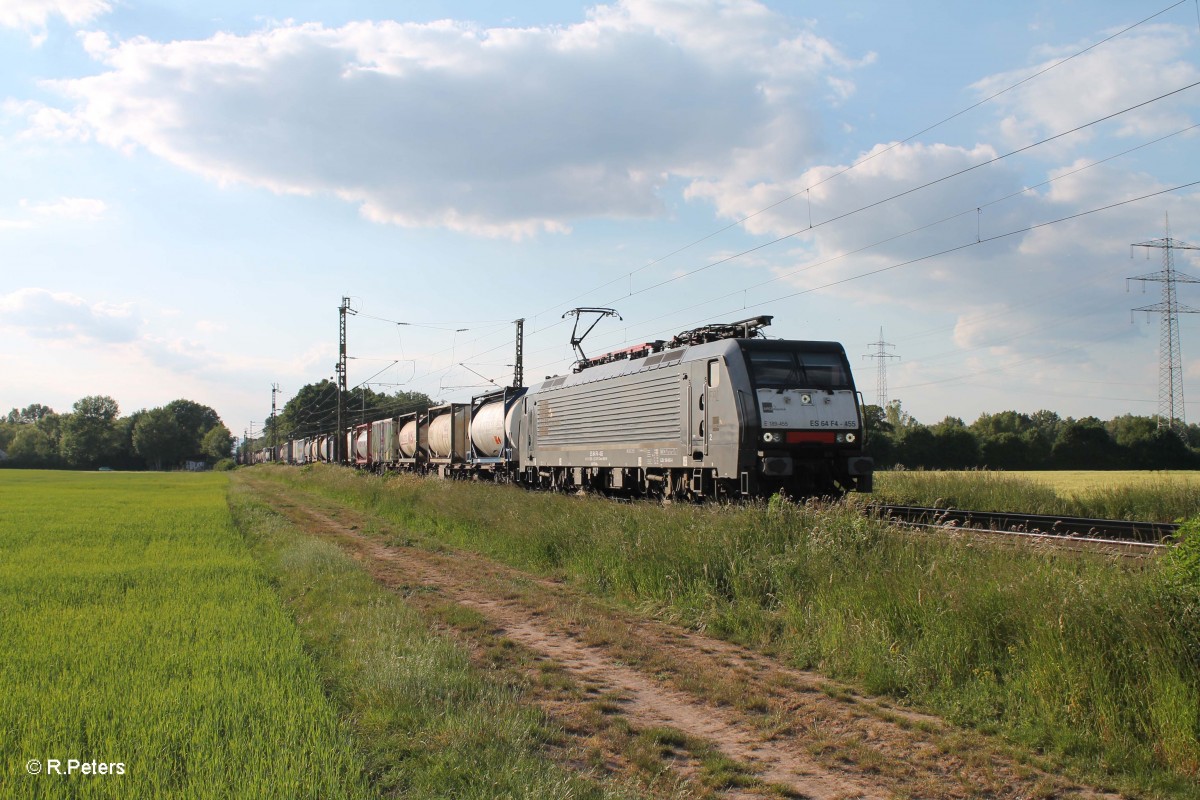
[190, 189]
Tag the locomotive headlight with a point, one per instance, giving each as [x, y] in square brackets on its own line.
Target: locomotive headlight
[850, 438]
[771, 437]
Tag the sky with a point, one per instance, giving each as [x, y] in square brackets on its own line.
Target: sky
[189, 190]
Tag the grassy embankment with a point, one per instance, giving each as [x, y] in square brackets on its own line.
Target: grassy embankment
[1091, 660]
[1147, 496]
[138, 626]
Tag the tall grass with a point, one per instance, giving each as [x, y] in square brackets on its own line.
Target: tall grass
[1089, 659]
[430, 724]
[1165, 501]
[136, 628]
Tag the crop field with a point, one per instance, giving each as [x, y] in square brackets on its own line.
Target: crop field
[138, 633]
[1151, 496]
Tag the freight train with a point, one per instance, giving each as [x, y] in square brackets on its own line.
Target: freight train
[715, 412]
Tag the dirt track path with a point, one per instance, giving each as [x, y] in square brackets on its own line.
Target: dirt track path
[795, 732]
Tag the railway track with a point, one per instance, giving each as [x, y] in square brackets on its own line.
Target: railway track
[1123, 537]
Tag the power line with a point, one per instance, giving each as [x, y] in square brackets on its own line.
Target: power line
[906, 192]
[874, 154]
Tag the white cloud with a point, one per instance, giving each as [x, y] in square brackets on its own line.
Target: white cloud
[43, 314]
[69, 209]
[1131, 69]
[494, 131]
[43, 123]
[33, 15]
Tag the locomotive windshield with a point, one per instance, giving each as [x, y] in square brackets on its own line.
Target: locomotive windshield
[786, 369]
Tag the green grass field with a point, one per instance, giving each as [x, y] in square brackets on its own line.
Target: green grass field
[138, 630]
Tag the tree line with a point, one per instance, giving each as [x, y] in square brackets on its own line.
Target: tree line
[94, 434]
[1011, 440]
[314, 410]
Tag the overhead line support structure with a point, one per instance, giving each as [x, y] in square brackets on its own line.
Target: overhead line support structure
[519, 360]
[343, 309]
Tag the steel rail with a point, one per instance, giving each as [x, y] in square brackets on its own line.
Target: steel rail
[1124, 537]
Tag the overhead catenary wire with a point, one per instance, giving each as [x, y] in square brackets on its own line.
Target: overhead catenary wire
[911, 190]
[975, 243]
[905, 193]
[978, 238]
[948, 250]
[874, 154]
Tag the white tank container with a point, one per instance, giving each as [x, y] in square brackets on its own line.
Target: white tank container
[441, 435]
[408, 439]
[487, 429]
[360, 444]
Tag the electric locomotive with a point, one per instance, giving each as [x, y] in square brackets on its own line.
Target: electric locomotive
[713, 412]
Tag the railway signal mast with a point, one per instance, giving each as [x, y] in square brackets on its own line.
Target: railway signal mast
[1170, 363]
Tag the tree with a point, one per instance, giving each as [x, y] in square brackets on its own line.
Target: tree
[28, 414]
[1085, 444]
[879, 438]
[195, 420]
[898, 418]
[916, 446]
[1008, 451]
[89, 434]
[314, 409]
[955, 446]
[126, 456]
[160, 439]
[33, 446]
[217, 443]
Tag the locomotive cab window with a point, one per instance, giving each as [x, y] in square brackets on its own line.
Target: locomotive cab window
[781, 369]
[714, 374]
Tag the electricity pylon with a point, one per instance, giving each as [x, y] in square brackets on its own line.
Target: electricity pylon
[1170, 364]
[881, 355]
